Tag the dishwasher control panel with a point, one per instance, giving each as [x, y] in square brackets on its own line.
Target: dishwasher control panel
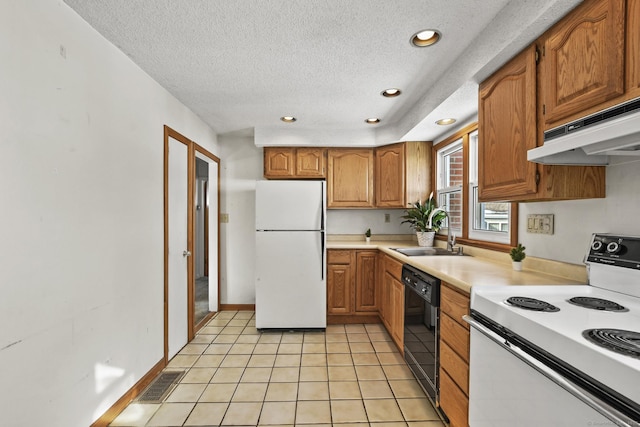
[425, 285]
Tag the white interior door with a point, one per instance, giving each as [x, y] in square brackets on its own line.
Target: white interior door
[178, 322]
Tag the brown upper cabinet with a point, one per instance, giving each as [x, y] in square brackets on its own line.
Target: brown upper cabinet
[507, 129]
[350, 178]
[583, 60]
[292, 162]
[633, 48]
[310, 162]
[402, 173]
[577, 75]
[388, 177]
[279, 162]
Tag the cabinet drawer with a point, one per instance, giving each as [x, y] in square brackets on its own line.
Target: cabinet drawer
[457, 368]
[339, 256]
[453, 401]
[455, 335]
[393, 267]
[454, 304]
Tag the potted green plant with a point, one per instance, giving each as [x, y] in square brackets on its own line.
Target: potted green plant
[419, 217]
[367, 235]
[517, 255]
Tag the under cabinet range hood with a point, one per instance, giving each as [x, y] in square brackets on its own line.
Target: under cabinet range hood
[592, 139]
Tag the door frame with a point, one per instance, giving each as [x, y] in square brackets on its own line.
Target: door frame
[192, 327]
[192, 147]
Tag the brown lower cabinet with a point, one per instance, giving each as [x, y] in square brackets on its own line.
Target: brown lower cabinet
[351, 286]
[453, 401]
[454, 355]
[392, 300]
[364, 286]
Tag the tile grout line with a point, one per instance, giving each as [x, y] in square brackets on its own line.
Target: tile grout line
[326, 365]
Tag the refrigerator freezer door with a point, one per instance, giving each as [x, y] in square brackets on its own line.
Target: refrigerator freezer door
[290, 280]
[289, 205]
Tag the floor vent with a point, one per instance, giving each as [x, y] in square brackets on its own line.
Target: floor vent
[160, 387]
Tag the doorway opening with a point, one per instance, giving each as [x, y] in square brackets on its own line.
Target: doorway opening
[201, 244]
[206, 226]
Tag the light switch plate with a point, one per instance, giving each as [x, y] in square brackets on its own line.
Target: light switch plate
[224, 218]
[540, 223]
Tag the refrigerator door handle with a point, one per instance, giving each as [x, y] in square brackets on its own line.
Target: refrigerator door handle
[322, 267]
[323, 207]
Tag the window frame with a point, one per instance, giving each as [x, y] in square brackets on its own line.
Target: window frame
[467, 198]
[453, 147]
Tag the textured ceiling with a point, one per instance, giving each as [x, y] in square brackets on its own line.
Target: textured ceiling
[244, 63]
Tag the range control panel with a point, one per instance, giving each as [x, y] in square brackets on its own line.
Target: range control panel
[621, 251]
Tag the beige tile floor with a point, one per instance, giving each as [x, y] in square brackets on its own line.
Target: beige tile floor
[350, 376]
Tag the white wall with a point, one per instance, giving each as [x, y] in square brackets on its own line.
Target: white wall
[356, 221]
[576, 220]
[241, 168]
[81, 224]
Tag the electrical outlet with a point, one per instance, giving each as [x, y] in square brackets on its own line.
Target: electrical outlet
[224, 218]
[540, 223]
[387, 218]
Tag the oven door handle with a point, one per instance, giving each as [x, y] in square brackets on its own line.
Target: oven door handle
[593, 401]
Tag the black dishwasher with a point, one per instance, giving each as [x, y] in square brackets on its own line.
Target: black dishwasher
[421, 327]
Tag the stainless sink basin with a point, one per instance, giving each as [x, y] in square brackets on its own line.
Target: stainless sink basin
[422, 251]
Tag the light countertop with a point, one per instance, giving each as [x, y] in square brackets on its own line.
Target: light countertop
[465, 272]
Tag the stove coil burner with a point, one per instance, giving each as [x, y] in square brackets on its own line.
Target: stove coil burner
[620, 341]
[531, 304]
[597, 304]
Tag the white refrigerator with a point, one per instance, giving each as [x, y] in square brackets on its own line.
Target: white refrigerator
[290, 255]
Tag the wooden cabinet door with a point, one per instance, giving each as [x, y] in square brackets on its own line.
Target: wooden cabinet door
[390, 176]
[507, 129]
[310, 162]
[366, 299]
[339, 285]
[350, 178]
[453, 401]
[583, 60]
[633, 48]
[385, 302]
[397, 313]
[454, 355]
[279, 162]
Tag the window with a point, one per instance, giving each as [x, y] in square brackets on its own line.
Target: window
[450, 179]
[488, 221]
[471, 221]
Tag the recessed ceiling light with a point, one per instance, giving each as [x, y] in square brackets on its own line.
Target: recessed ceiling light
[372, 120]
[288, 119]
[425, 38]
[445, 122]
[391, 93]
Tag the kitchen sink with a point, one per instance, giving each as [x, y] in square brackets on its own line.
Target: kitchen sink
[426, 251]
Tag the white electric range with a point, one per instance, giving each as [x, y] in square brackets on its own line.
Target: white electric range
[560, 355]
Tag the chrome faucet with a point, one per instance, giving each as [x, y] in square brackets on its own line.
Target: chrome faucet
[451, 240]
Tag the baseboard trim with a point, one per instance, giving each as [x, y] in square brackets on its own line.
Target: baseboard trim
[133, 392]
[337, 319]
[237, 307]
[203, 322]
